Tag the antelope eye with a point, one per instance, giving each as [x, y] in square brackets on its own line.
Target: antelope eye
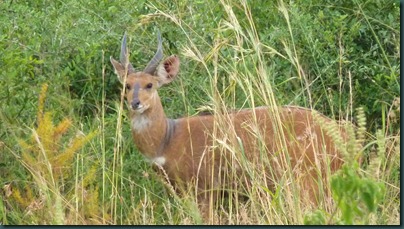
[149, 85]
[127, 86]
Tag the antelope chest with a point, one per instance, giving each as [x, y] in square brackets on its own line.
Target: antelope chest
[140, 123]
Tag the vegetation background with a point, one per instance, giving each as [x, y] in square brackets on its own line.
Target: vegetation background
[66, 151]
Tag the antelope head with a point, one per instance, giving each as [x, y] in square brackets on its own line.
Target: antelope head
[141, 86]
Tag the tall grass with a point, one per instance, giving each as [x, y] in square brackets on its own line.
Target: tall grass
[246, 73]
[107, 181]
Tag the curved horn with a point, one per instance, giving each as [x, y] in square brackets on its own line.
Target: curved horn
[152, 65]
[124, 56]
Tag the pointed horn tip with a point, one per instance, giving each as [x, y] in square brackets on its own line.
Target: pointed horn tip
[124, 40]
[124, 49]
[159, 36]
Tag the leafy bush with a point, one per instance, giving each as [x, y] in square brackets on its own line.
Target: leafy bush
[332, 56]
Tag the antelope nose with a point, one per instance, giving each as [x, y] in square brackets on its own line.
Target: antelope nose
[135, 104]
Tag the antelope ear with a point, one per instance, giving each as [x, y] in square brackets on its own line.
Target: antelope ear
[168, 70]
[119, 69]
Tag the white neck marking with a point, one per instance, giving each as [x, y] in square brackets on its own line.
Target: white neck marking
[140, 122]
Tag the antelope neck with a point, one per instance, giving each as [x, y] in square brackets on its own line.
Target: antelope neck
[153, 133]
[170, 128]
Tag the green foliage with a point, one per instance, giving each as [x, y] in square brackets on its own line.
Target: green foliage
[333, 56]
[357, 195]
[49, 159]
[344, 41]
[315, 218]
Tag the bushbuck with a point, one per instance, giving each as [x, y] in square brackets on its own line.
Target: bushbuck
[209, 153]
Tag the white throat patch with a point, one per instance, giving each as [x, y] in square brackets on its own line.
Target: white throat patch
[159, 160]
[140, 122]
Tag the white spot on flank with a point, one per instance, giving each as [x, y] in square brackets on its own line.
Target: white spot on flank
[159, 160]
[139, 123]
